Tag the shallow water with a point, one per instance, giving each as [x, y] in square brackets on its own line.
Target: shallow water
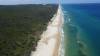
[82, 29]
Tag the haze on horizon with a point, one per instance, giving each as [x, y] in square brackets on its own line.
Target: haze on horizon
[14, 2]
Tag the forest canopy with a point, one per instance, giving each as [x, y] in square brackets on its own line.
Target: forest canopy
[21, 26]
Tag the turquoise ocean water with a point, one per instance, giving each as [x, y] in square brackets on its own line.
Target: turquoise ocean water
[82, 29]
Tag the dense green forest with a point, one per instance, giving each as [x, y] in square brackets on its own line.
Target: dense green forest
[21, 26]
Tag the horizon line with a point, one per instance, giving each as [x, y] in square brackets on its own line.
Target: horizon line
[49, 3]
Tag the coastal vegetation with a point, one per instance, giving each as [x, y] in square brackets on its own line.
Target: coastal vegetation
[21, 27]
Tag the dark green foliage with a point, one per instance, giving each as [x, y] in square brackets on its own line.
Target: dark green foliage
[21, 26]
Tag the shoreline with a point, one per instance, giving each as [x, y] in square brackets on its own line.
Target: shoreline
[50, 42]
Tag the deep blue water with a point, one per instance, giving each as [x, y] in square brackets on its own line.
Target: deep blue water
[82, 29]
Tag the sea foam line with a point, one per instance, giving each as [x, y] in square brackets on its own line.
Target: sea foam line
[62, 45]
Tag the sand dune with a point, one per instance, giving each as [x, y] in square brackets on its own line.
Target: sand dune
[50, 39]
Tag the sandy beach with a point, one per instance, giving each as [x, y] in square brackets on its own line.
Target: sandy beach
[49, 45]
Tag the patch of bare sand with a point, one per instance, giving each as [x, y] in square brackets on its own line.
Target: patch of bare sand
[50, 39]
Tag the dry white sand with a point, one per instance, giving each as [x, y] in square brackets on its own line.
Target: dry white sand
[50, 39]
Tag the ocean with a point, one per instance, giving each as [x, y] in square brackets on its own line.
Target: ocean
[81, 29]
